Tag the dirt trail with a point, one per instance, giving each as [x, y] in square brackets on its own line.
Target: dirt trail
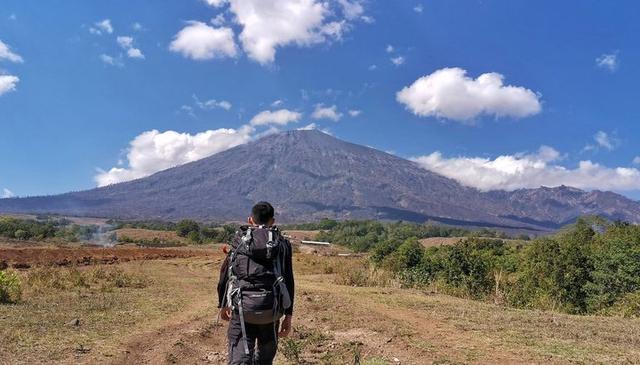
[325, 313]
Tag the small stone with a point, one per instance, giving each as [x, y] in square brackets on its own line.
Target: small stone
[74, 322]
[396, 360]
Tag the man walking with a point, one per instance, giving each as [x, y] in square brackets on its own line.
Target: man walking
[256, 288]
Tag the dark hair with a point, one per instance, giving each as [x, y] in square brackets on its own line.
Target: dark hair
[262, 213]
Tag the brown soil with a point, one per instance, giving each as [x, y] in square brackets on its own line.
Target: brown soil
[69, 256]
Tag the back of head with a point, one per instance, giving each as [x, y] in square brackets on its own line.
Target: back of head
[262, 213]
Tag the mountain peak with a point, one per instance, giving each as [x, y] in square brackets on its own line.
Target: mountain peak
[309, 175]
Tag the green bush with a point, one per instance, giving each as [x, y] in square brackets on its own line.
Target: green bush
[627, 306]
[186, 226]
[10, 287]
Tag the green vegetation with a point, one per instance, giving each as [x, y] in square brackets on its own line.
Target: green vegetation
[10, 287]
[45, 227]
[201, 233]
[384, 238]
[589, 267]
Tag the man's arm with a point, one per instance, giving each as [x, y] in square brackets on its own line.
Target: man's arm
[285, 326]
[288, 276]
[222, 282]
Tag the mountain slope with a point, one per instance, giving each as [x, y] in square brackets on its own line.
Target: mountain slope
[310, 175]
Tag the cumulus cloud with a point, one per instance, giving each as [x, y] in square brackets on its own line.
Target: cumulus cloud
[153, 151]
[6, 193]
[450, 93]
[636, 160]
[215, 3]
[389, 48]
[7, 54]
[355, 112]
[8, 83]
[267, 25]
[278, 117]
[418, 8]
[126, 43]
[199, 41]
[608, 61]
[511, 172]
[101, 27]
[326, 112]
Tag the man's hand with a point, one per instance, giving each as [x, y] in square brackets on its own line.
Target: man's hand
[225, 313]
[285, 326]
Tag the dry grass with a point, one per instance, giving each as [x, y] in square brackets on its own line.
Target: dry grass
[148, 235]
[162, 311]
[111, 303]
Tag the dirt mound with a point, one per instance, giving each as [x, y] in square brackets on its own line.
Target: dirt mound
[70, 256]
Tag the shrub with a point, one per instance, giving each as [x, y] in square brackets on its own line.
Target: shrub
[186, 226]
[10, 287]
[627, 306]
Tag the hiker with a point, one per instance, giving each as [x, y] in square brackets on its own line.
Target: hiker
[256, 289]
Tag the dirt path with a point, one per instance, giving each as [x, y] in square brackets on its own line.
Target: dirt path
[326, 332]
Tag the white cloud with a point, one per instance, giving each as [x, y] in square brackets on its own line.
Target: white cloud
[418, 8]
[602, 140]
[636, 160]
[101, 27]
[511, 172]
[351, 9]
[308, 127]
[606, 141]
[6, 193]
[216, 3]
[212, 104]
[112, 61]
[153, 151]
[7, 54]
[135, 53]
[389, 49]
[219, 20]
[329, 112]
[398, 60]
[608, 61]
[8, 83]
[449, 93]
[277, 103]
[137, 27]
[267, 25]
[354, 112]
[372, 67]
[278, 117]
[367, 19]
[199, 41]
[126, 43]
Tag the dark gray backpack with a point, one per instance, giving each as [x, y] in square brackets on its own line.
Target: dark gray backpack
[256, 288]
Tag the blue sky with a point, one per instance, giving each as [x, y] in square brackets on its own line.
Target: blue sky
[96, 92]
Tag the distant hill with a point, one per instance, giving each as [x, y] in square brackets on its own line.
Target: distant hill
[310, 175]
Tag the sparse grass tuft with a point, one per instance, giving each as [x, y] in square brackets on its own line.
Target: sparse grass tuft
[10, 287]
[46, 279]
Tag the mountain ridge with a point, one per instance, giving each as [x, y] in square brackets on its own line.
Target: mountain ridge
[311, 175]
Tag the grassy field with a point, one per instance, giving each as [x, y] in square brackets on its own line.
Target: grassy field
[163, 311]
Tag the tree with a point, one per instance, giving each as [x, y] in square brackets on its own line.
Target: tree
[187, 226]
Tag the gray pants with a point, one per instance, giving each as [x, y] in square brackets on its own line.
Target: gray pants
[263, 334]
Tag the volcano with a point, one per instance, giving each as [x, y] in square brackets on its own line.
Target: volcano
[309, 175]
